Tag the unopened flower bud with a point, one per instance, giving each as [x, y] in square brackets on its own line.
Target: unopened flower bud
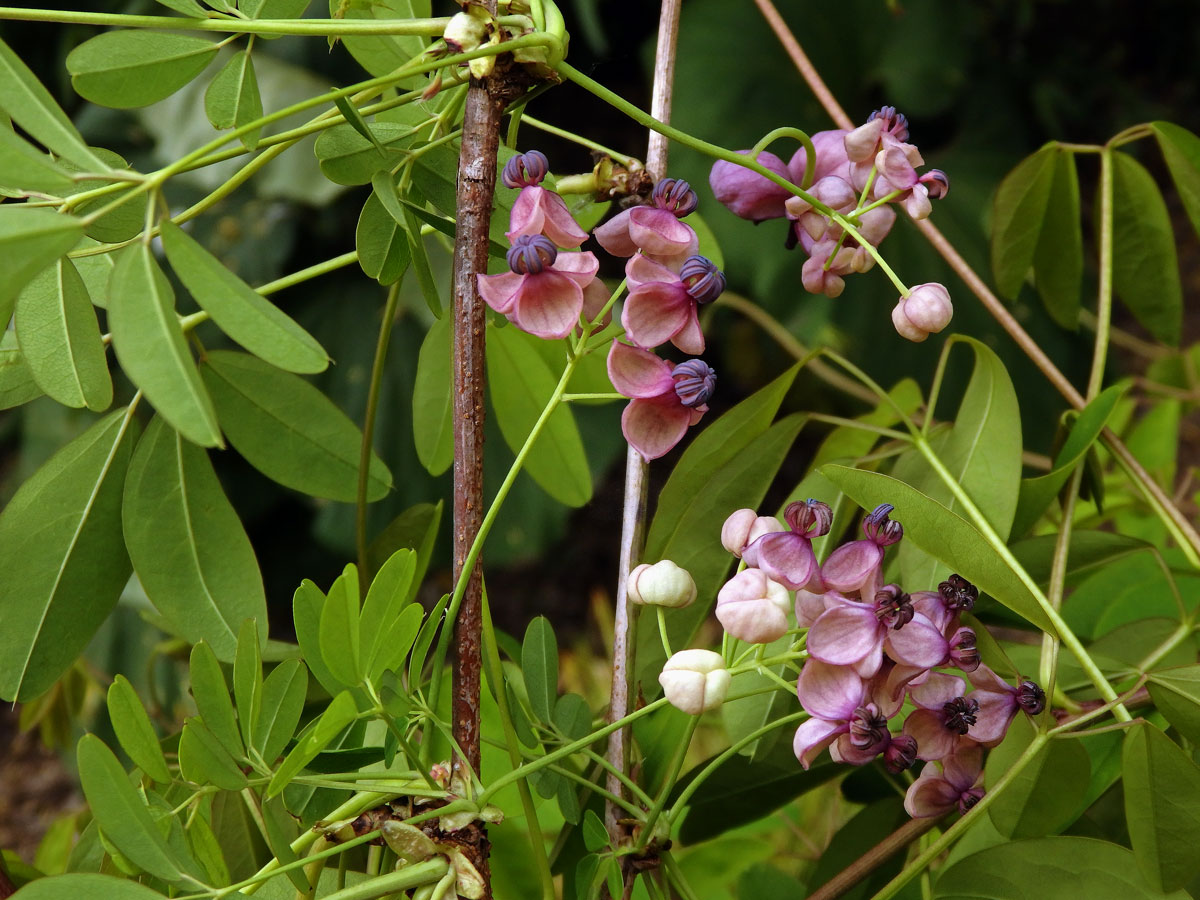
[963, 650]
[900, 754]
[926, 310]
[746, 193]
[695, 681]
[753, 608]
[936, 183]
[1030, 697]
[661, 584]
[744, 527]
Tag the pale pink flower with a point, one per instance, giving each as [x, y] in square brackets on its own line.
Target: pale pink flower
[753, 608]
[655, 230]
[926, 310]
[537, 210]
[954, 783]
[544, 292]
[662, 305]
[746, 193]
[666, 399]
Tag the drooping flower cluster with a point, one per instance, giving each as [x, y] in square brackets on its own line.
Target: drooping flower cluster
[872, 648]
[860, 175]
[548, 289]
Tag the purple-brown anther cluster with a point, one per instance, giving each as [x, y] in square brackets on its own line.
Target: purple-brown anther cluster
[873, 650]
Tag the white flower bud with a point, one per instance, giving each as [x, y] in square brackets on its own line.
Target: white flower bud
[661, 584]
[695, 680]
[753, 608]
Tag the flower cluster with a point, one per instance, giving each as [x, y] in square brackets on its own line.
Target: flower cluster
[859, 175]
[548, 290]
[872, 649]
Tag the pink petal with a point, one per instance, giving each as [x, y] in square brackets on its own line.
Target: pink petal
[655, 312]
[964, 769]
[548, 304]
[689, 338]
[917, 643]
[930, 795]
[850, 566]
[996, 711]
[642, 269]
[654, 428]
[614, 237]
[898, 680]
[756, 621]
[893, 165]
[595, 298]
[813, 736]
[936, 690]
[638, 373]
[829, 692]
[844, 635]
[657, 232]
[869, 666]
[560, 226]
[579, 267]
[526, 216]
[934, 739]
[985, 679]
[809, 606]
[499, 291]
[786, 557]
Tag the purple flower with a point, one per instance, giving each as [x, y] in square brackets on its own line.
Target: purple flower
[856, 634]
[662, 305]
[998, 703]
[666, 399]
[544, 292]
[855, 568]
[955, 783]
[836, 699]
[834, 192]
[787, 556]
[746, 193]
[926, 310]
[830, 148]
[655, 230]
[753, 608]
[537, 210]
[943, 717]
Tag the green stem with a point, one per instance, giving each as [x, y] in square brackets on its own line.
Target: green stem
[1048, 664]
[624, 160]
[955, 831]
[1105, 290]
[368, 431]
[632, 786]
[810, 154]
[860, 426]
[668, 784]
[662, 631]
[429, 872]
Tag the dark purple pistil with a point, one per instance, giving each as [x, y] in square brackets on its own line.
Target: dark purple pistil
[900, 754]
[695, 382]
[1030, 697]
[525, 170]
[894, 123]
[701, 278]
[958, 593]
[867, 727]
[531, 254]
[880, 528]
[960, 714]
[968, 799]
[810, 518]
[676, 196]
[893, 607]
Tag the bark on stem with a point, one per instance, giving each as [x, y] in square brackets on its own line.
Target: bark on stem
[476, 186]
[633, 519]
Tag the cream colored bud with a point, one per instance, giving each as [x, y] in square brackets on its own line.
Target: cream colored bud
[695, 681]
[662, 584]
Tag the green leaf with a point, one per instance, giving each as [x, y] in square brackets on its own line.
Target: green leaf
[340, 713]
[289, 430]
[1145, 268]
[204, 760]
[307, 604]
[282, 704]
[1051, 867]
[1058, 259]
[1036, 494]
[30, 105]
[134, 731]
[383, 247]
[520, 385]
[346, 157]
[232, 99]
[1162, 807]
[187, 543]
[23, 167]
[1176, 693]
[1181, 150]
[539, 665]
[60, 338]
[207, 849]
[572, 716]
[281, 831]
[273, 9]
[189, 8]
[339, 631]
[595, 835]
[30, 240]
[416, 660]
[433, 396]
[390, 592]
[1018, 212]
[124, 69]
[212, 698]
[124, 221]
[415, 529]
[945, 536]
[1047, 795]
[151, 348]
[383, 54]
[248, 680]
[93, 887]
[240, 311]
[16, 381]
[121, 813]
[69, 568]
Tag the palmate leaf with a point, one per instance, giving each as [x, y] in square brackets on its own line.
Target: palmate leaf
[67, 569]
[1017, 215]
[248, 679]
[383, 54]
[211, 694]
[282, 704]
[232, 98]
[384, 250]
[187, 543]
[1176, 693]
[539, 665]
[1162, 807]
[124, 69]
[1181, 150]
[340, 713]
[22, 167]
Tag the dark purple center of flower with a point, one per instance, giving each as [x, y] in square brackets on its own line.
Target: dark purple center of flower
[531, 254]
[959, 714]
[963, 650]
[969, 798]
[894, 123]
[936, 183]
[695, 382]
[701, 278]
[525, 169]
[958, 593]
[809, 519]
[867, 727]
[880, 528]
[676, 196]
[900, 754]
[893, 607]
[1030, 697]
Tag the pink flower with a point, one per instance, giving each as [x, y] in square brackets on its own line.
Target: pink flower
[857, 634]
[753, 608]
[655, 230]
[834, 192]
[836, 699]
[787, 556]
[955, 782]
[544, 292]
[666, 399]
[537, 210]
[746, 193]
[744, 527]
[925, 311]
[661, 305]
[856, 568]
[830, 150]
[998, 704]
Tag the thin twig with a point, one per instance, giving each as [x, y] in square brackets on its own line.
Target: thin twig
[874, 858]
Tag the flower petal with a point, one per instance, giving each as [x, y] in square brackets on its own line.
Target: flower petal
[659, 233]
[641, 269]
[917, 643]
[638, 373]
[849, 567]
[930, 795]
[689, 338]
[547, 304]
[579, 267]
[936, 690]
[934, 739]
[964, 769]
[829, 692]
[654, 428]
[560, 226]
[995, 713]
[813, 736]
[614, 237]
[499, 291]
[655, 312]
[786, 557]
[845, 634]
